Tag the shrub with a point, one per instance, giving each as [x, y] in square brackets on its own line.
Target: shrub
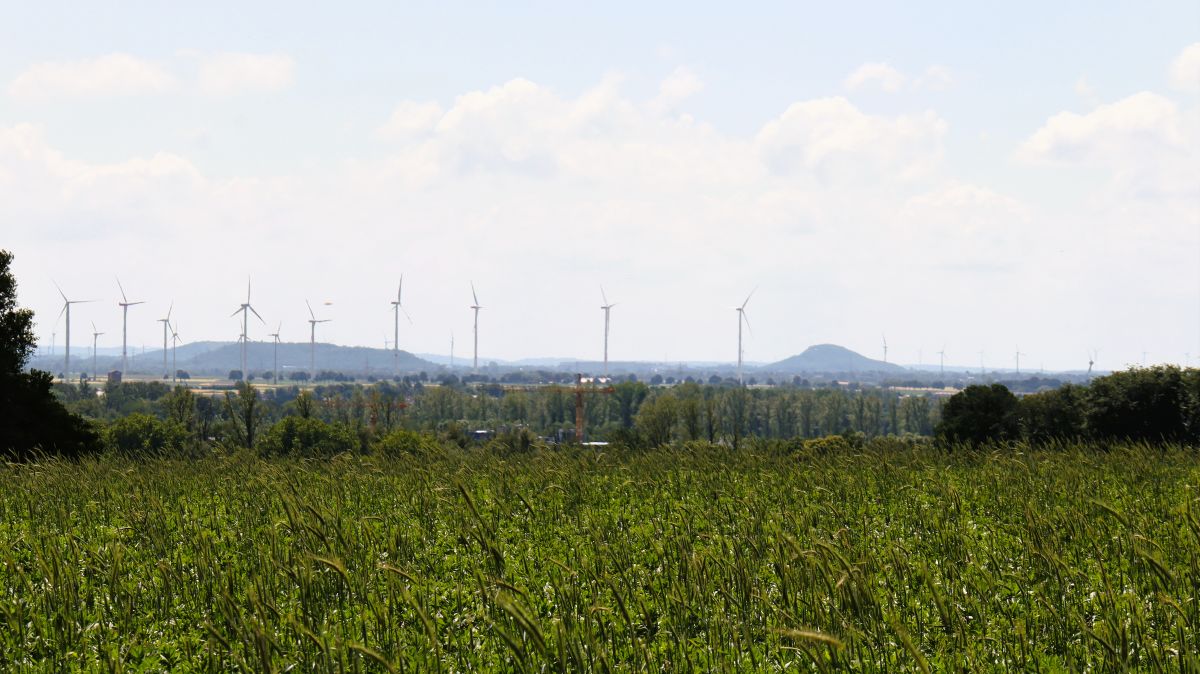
[142, 434]
[297, 436]
[402, 441]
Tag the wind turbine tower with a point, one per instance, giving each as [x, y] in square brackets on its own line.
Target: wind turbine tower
[67, 310]
[174, 343]
[1092, 353]
[397, 307]
[942, 362]
[275, 357]
[312, 339]
[742, 318]
[1019, 354]
[607, 307]
[166, 324]
[885, 348]
[245, 310]
[95, 336]
[476, 307]
[125, 304]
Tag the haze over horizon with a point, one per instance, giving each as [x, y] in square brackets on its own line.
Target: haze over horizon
[940, 174]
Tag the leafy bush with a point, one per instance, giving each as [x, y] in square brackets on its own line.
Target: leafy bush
[402, 441]
[144, 435]
[297, 436]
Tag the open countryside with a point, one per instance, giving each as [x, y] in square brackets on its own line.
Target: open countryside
[625, 337]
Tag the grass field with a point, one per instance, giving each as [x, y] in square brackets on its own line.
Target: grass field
[885, 560]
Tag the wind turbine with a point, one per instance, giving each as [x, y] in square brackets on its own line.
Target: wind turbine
[275, 338]
[1092, 354]
[245, 310]
[174, 343]
[742, 318]
[397, 307]
[312, 339]
[166, 323]
[67, 310]
[942, 362]
[476, 307]
[125, 304]
[607, 308]
[451, 349]
[95, 336]
[884, 348]
[1019, 354]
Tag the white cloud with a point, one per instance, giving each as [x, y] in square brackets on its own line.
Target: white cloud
[680, 85]
[110, 75]
[409, 119]
[935, 78]
[1185, 70]
[832, 138]
[1145, 141]
[880, 75]
[219, 74]
[229, 73]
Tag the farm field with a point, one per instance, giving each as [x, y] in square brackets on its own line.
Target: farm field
[892, 558]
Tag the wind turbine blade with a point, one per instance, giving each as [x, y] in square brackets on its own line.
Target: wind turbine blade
[747, 319]
[62, 311]
[473, 295]
[93, 326]
[60, 291]
[247, 290]
[603, 296]
[406, 315]
[310, 311]
[400, 289]
[123, 297]
[278, 328]
[235, 313]
[748, 297]
[136, 303]
[169, 310]
[260, 318]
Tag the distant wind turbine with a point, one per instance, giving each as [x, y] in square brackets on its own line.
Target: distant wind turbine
[125, 304]
[1092, 354]
[67, 310]
[607, 307]
[245, 310]
[275, 339]
[884, 348]
[166, 324]
[742, 318]
[476, 307]
[942, 361]
[174, 344]
[451, 349]
[312, 339]
[1019, 354]
[397, 307]
[95, 337]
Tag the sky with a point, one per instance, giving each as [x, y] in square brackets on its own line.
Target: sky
[973, 178]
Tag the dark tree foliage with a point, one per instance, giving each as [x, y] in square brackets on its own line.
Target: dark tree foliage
[32, 420]
[1057, 414]
[980, 414]
[1156, 404]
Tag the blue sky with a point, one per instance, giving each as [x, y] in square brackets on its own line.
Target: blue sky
[946, 173]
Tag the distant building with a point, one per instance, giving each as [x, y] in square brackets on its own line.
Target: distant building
[114, 377]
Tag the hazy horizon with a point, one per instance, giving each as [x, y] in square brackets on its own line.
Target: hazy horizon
[948, 176]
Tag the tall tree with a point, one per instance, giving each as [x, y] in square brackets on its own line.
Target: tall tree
[32, 420]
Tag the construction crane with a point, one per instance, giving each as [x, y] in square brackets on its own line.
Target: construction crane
[584, 386]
